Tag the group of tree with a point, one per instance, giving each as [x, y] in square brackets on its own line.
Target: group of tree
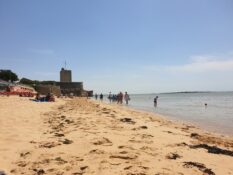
[8, 75]
[35, 82]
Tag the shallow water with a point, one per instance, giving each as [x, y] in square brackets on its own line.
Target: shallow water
[190, 107]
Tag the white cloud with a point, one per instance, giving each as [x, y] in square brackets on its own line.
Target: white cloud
[198, 64]
[205, 66]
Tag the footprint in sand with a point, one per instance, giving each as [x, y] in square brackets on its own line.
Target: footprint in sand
[96, 151]
[60, 161]
[140, 170]
[25, 154]
[149, 150]
[126, 147]
[170, 132]
[21, 163]
[48, 144]
[63, 117]
[134, 140]
[127, 120]
[106, 112]
[103, 141]
[181, 144]
[123, 152]
[66, 141]
[173, 156]
[45, 161]
[82, 170]
[139, 128]
[59, 134]
[75, 160]
[125, 157]
[39, 171]
[79, 159]
[144, 167]
[146, 136]
[77, 173]
[69, 121]
[128, 167]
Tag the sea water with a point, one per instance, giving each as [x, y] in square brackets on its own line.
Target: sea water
[217, 116]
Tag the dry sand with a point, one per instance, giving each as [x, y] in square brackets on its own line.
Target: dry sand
[80, 136]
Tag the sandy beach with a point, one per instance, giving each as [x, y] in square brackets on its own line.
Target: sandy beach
[82, 136]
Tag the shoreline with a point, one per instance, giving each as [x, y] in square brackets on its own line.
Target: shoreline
[81, 136]
[179, 122]
[201, 126]
[197, 125]
[215, 117]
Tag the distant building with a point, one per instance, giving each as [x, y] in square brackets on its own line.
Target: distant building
[65, 75]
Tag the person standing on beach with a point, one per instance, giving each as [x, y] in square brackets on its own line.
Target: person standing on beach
[126, 98]
[155, 101]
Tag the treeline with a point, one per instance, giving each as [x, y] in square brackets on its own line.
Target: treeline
[9, 76]
[35, 82]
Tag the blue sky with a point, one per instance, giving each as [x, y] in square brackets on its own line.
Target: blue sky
[139, 46]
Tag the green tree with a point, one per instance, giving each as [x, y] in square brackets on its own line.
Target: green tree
[26, 81]
[8, 75]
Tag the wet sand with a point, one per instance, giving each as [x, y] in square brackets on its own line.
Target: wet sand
[80, 136]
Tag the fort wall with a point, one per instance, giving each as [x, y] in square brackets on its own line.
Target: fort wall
[45, 89]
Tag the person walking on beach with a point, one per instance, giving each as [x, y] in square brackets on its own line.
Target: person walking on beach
[120, 98]
[205, 105]
[110, 97]
[114, 98]
[96, 96]
[126, 98]
[101, 97]
[155, 101]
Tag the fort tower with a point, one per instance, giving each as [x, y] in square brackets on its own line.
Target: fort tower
[65, 76]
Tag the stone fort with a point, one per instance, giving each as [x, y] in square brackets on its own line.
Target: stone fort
[65, 86]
